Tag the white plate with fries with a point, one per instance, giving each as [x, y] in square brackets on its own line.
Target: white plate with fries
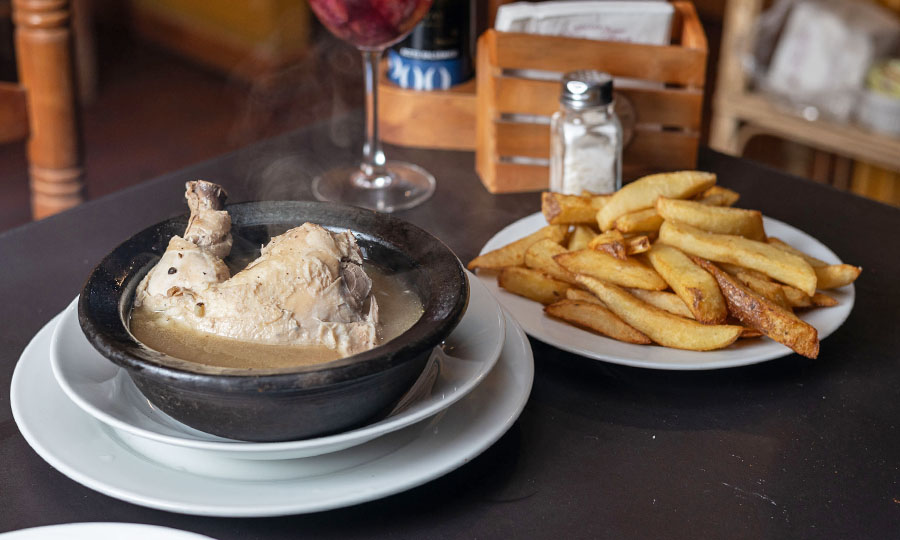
[742, 352]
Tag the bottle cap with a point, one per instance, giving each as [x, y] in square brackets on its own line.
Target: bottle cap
[586, 88]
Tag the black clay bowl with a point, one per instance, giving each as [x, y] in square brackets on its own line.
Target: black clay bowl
[283, 404]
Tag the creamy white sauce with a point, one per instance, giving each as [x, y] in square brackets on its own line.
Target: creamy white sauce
[399, 309]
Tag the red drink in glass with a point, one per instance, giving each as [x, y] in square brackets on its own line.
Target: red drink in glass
[376, 183]
[370, 24]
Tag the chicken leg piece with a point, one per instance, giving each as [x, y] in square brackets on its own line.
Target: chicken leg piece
[306, 288]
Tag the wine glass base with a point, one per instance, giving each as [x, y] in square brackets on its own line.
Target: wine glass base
[403, 186]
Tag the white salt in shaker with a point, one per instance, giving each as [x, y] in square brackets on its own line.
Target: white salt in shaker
[586, 136]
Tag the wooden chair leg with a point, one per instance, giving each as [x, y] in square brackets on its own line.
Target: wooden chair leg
[44, 52]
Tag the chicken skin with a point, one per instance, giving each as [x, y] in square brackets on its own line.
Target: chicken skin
[306, 288]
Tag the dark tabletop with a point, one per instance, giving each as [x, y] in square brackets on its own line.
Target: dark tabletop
[790, 448]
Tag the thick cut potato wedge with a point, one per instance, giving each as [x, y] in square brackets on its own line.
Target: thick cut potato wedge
[691, 283]
[616, 244]
[718, 196]
[829, 276]
[799, 300]
[756, 311]
[771, 261]
[642, 221]
[596, 317]
[532, 284]
[663, 300]
[628, 273]
[643, 192]
[514, 254]
[583, 296]
[761, 283]
[559, 209]
[717, 219]
[661, 326]
[580, 238]
[823, 300]
[540, 257]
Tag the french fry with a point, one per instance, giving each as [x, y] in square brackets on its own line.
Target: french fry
[641, 221]
[823, 300]
[514, 254]
[748, 333]
[580, 237]
[771, 261]
[532, 284]
[540, 257]
[617, 245]
[596, 317]
[795, 297]
[828, 276]
[661, 326]
[582, 295]
[718, 196]
[799, 300]
[628, 273]
[571, 209]
[663, 300]
[756, 311]
[716, 219]
[642, 193]
[696, 288]
[761, 283]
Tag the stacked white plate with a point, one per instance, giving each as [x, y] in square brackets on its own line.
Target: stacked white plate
[86, 418]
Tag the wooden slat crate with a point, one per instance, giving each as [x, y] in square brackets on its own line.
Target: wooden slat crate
[511, 153]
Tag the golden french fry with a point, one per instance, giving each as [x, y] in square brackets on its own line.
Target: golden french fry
[596, 317]
[580, 237]
[771, 261]
[718, 196]
[611, 242]
[756, 311]
[540, 257]
[643, 192]
[532, 284]
[641, 221]
[761, 283]
[514, 254]
[583, 296]
[716, 219]
[691, 283]
[823, 300]
[663, 300]
[795, 297]
[747, 333]
[628, 273]
[571, 209]
[828, 276]
[617, 245]
[661, 326]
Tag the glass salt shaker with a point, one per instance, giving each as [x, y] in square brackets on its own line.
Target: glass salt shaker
[586, 136]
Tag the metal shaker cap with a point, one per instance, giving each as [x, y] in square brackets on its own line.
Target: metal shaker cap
[586, 88]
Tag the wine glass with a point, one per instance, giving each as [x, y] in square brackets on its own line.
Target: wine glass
[372, 26]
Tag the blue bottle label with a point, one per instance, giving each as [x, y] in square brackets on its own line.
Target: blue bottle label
[418, 69]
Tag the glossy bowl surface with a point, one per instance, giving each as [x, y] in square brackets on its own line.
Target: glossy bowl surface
[288, 403]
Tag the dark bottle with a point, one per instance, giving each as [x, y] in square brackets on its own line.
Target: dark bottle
[438, 52]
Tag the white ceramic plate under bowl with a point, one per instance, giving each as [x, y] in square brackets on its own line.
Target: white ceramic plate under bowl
[88, 451]
[101, 531]
[106, 392]
[743, 352]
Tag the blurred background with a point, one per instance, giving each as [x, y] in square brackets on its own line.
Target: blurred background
[167, 83]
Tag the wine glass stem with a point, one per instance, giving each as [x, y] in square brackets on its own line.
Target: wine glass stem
[374, 174]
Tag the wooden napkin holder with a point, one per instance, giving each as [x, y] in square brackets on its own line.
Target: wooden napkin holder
[512, 119]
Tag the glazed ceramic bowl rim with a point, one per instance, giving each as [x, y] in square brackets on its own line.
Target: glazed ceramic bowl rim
[124, 350]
